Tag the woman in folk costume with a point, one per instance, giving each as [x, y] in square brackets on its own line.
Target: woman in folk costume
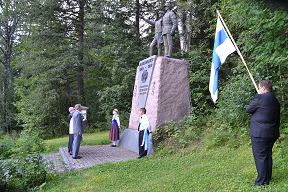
[114, 130]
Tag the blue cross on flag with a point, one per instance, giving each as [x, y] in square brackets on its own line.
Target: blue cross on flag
[222, 48]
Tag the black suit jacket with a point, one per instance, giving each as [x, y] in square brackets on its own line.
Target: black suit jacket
[69, 118]
[265, 119]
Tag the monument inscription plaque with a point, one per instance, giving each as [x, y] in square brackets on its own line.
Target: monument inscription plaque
[145, 68]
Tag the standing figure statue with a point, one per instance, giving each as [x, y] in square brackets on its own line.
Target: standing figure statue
[169, 27]
[158, 39]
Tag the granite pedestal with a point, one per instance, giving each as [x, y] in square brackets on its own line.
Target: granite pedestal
[168, 99]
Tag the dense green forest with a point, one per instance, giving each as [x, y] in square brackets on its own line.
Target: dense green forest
[59, 53]
[55, 54]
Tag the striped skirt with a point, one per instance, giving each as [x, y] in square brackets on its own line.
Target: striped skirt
[114, 132]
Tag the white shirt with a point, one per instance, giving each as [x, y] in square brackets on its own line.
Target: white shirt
[117, 119]
[71, 126]
[144, 122]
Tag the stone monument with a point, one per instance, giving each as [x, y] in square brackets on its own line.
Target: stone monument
[162, 86]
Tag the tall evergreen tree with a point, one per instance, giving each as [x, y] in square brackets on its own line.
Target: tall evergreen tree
[10, 21]
[51, 65]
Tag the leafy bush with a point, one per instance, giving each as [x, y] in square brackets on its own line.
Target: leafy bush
[6, 145]
[26, 168]
[175, 136]
[229, 123]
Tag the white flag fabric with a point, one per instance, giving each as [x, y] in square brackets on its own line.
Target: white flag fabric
[222, 48]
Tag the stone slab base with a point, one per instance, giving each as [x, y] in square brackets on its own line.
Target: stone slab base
[129, 140]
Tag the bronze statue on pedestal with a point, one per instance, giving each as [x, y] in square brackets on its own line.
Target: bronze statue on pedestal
[158, 39]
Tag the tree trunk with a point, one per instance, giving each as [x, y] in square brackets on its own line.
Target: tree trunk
[184, 27]
[181, 30]
[80, 69]
[9, 29]
[137, 18]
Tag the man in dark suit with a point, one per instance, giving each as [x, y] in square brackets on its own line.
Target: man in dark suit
[77, 130]
[264, 130]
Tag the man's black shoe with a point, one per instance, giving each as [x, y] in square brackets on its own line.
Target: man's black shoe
[139, 157]
[77, 157]
[112, 145]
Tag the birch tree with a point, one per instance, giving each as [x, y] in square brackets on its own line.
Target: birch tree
[184, 18]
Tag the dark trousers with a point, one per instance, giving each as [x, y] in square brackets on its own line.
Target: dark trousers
[76, 145]
[262, 152]
[142, 151]
[70, 143]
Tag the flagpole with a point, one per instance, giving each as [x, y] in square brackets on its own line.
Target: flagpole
[238, 51]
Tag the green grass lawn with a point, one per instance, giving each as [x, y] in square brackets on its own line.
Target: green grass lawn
[196, 169]
[99, 138]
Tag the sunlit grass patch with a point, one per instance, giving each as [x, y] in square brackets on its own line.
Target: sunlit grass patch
[99, 138]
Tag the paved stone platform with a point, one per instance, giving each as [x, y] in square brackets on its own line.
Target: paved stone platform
[92, 155]
[56, 163]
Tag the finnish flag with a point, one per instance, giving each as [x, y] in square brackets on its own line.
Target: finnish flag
[222, 48]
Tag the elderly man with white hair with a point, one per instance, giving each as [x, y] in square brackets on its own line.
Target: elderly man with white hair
[77, 130]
